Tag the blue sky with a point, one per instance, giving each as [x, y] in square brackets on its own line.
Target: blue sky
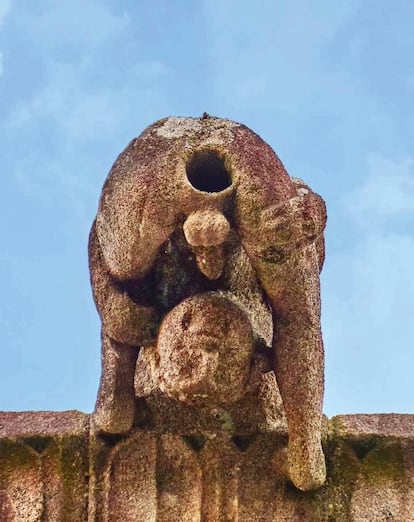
[329, 85]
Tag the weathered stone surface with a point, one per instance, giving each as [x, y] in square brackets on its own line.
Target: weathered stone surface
[24, 424]
[153, 475]
[204, 260]
[258, 411]
[373, 466]
[44, 466]
[205, 346]
[365, 425]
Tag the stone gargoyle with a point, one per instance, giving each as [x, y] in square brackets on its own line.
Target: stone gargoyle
[205, 248]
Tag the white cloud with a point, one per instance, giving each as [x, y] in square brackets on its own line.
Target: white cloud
[5, 8]
[368, 325]
[67, 49]
[382, 280]
[85, 94]
[74, 23]
[80, 111]
[82, 99]
[381, 265]
[281, 45]
[368, 309]
[386, 192]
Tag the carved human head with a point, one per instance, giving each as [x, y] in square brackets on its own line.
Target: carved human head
[205, 346]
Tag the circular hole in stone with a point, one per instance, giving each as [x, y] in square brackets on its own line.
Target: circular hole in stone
[206, 171]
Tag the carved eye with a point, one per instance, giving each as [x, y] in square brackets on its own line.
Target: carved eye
[186, 320]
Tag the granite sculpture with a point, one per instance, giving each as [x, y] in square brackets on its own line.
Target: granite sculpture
[204, 259]
[189, 349]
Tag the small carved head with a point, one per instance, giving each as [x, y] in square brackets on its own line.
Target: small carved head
[205, 346]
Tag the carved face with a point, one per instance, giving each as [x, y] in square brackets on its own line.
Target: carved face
[205, 346]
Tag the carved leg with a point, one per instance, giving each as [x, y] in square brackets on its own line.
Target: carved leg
[115, 404]
[299, 372]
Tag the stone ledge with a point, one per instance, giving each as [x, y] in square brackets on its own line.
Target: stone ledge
[53, 468]
[396, 425]
[42, 423]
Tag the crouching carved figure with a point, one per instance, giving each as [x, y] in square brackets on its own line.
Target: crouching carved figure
[205, 248]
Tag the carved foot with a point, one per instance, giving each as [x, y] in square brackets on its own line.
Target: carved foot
[115, 404]
[114, 415]
[306, 463]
